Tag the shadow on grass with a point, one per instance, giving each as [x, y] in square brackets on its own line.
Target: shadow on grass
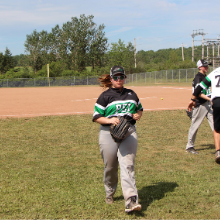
[207, 147]
[118, 198]
[149, 194]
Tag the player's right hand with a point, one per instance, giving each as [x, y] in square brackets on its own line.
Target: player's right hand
[114, 121]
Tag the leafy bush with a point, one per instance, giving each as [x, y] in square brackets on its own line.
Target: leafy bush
[55, 69]
[18, 72]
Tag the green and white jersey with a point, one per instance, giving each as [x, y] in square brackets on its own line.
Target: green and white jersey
[213, 81]
[112, 103]
[196, 82]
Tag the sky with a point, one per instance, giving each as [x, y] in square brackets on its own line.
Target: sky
[154, 24]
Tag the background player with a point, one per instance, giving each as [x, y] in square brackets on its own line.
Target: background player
[203, 107]
[117, 100]
[213, 80]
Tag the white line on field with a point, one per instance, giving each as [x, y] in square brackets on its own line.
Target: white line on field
[152, 97]
[81, 100]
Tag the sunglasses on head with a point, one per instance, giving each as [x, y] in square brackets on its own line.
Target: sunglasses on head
[121, 77]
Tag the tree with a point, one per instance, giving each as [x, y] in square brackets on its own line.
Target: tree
[44, 47]
[173, 58]
[79, 43]
[76, 44]
[84, 37]
[1, 62]
[123, 55]
[33, 48]
[8, 61]
[98, 47]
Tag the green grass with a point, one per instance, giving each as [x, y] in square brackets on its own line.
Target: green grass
[51, 168]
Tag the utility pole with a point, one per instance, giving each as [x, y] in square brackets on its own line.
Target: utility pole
[135, 65]
[193, 46]
[213, 53]
[207, 51]
[215, 59]
[182, 52]
[200, 32]
[218, 46]
[203, 46]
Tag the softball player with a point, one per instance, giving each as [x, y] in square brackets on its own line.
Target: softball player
[213, 80]
[114, 101]
[203, 107]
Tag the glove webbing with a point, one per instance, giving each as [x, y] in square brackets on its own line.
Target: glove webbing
[121, 128]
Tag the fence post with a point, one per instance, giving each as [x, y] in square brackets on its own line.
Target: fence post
[145, 77]
[172, 75]
[179, 75]
[186, 75]
[166, 75]
[87, 81]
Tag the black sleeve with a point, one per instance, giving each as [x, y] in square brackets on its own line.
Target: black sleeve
[199, 88]
[197, 91]
[102, 102]
[197, 81]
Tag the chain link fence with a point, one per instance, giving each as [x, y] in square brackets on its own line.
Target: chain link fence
[51, 81]
[163, 76]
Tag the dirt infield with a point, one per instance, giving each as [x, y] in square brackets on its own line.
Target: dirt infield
[32, 102]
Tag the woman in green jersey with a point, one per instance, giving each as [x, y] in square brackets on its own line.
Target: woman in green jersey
[118, 101]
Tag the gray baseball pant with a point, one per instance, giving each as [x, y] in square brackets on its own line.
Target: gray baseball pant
[124, 154]
[198, 115]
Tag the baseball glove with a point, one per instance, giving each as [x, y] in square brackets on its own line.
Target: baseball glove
[119, 131]
[189, 114]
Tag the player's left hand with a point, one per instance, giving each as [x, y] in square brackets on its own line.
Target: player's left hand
[191, 105]
[137, 116]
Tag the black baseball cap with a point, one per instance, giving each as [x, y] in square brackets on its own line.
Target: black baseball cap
[117, 70]
[202, 63]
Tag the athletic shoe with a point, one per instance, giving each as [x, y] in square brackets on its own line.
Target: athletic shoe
[191, 150]
[217, 156]
[109, 200]
[133, 205]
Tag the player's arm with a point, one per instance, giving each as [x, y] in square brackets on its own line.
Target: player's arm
[204, 97]
[206, 83]
[137, 115]
[196, 93]
[104, 120]
[139, 111]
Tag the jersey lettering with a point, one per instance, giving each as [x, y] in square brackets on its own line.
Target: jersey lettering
[123, 108]
[218, 84]
[118, 107]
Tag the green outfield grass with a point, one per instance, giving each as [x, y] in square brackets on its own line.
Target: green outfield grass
[51, 168]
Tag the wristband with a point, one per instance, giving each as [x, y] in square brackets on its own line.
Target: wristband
[193, 100]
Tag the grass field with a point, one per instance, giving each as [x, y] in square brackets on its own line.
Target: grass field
[51, 168]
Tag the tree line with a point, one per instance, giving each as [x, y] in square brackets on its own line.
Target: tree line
[79, 47]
